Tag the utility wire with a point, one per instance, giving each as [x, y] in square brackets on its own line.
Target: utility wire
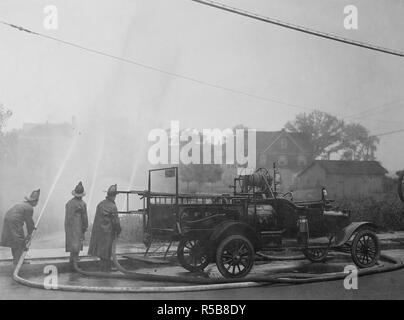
[388, 133]
[295, 27]
[380, 120]
[313, 32]
[156, 69]
[169, 73]
[365, 113]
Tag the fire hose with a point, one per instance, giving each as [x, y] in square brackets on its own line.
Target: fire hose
[199, 284]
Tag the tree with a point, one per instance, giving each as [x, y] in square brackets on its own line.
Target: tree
[331, 135]
[213, 173]
[324, 129]
[9, 147]
[5, 114]
[186, 174]
[357, 144]
[200, 173]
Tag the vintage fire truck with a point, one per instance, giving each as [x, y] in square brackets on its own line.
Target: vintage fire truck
[229, 229]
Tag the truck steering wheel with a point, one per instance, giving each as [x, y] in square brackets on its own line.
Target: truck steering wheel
[286, 194]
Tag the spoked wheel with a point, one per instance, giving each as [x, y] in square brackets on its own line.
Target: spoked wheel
[192, 255]
[316, 254]
[235, 256]
[365, 249]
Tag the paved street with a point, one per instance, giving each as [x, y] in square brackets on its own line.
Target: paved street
[380, 286]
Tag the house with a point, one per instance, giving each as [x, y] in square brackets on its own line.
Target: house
[291, 151]
[343, 179]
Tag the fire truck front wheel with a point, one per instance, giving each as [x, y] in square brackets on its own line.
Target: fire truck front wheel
[235, 256]
[365, 249]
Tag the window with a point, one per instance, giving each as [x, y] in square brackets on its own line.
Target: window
[301, 161]
[283, 161]
[284, 143]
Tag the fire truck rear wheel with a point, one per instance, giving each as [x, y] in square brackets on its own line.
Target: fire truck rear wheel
[316, 254]
[192, 255]
[235, 256]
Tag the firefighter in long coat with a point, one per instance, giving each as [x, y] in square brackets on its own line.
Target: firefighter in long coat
[106, 228]
[76, 222]
[13, 235]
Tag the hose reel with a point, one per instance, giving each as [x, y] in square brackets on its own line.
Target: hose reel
[260, 179]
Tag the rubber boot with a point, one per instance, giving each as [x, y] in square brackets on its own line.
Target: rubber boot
[16, 252]
[74, 256]
[105, 265]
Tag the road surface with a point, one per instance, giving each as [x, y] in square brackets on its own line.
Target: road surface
[380, 286]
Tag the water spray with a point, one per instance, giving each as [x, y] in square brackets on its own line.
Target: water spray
[51, 190]
[95, 173]
[134, 170]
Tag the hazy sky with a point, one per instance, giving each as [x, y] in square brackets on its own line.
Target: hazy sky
[42, 80]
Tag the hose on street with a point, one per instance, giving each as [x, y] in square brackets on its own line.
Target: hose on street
[197, 283]
[191, 283]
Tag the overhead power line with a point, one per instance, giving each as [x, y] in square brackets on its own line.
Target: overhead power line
[380, 120]
[295, 27]
[388, 133]
[159, 70]
[156, 69]
[368, 112]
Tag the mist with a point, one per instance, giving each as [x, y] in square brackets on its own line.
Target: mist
[106, 108]
[107, 139]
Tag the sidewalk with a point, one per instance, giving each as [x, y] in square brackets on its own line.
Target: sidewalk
[53, 246]
[5, 253]
[391, 235]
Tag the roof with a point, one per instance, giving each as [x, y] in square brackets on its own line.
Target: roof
[265, 139]
[343, 167]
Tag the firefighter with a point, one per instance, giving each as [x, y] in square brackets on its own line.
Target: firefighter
[13, 235]
[76, 223]
[106, 228]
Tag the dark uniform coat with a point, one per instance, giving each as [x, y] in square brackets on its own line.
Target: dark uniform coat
[13, 235]
[106, 227]
[76, 224]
